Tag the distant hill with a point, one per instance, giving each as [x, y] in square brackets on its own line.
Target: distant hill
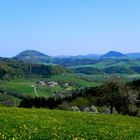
[33, 56]
[90, 56]
[111, 62]
[133, 55]
[112, 54]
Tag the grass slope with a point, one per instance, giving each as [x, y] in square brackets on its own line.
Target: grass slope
[42, 124]
[24, 86]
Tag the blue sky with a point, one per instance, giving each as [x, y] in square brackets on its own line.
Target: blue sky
[70, 27]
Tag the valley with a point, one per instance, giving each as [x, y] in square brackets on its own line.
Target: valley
[20, 73]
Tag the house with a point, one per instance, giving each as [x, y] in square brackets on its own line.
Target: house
[52, 84]
[41, 83]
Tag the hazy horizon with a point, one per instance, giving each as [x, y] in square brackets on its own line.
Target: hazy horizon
[72, 27]
[66, 54]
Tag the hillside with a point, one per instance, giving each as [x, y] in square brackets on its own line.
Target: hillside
[22, 88]
[45, 124]
[110, 66]
[13, 69]
[17, 79]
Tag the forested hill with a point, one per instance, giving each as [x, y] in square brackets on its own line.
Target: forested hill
[13, 69]
[33, 56]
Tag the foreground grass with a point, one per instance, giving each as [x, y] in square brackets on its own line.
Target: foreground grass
[42, 124]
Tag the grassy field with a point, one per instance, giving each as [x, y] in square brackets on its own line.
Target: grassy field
[42, 124]
[24, 86]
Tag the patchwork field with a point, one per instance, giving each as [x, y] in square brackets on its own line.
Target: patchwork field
[24, 86]
[35, 124]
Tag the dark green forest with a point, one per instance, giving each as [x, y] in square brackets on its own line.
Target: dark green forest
[13, 69]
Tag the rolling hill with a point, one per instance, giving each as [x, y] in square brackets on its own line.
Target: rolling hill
[112, 62]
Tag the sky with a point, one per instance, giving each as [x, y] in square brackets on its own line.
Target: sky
[69, 27]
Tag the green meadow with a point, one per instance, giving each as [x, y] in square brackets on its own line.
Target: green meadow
[24, 86]
[43, 124]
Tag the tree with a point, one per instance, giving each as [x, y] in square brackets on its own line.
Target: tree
[117, 94]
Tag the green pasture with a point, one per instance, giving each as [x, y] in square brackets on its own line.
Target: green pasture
[43, 124]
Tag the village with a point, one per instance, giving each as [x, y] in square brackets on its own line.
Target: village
[52, 84]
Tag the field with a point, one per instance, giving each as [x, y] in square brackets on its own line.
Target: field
[24, 86]
[42, 124]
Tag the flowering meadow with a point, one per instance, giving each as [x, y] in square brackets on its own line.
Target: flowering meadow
[43, 124]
